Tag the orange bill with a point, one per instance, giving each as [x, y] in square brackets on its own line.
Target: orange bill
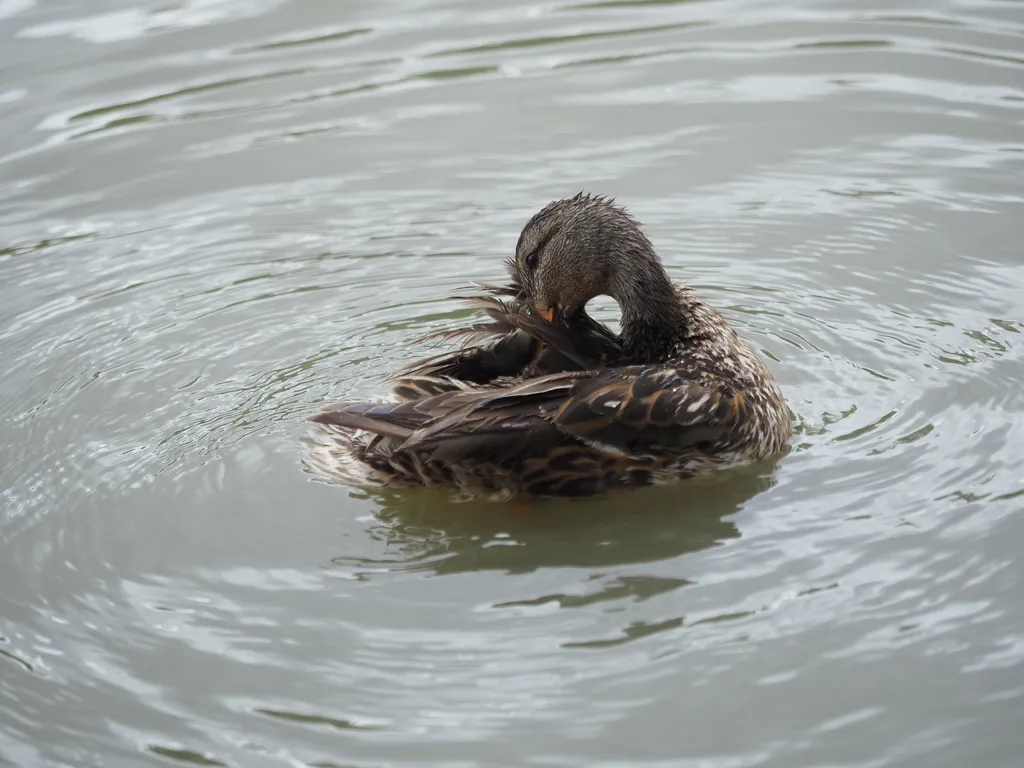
[549, 315]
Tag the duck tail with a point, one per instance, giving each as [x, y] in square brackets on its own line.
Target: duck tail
[354, 443]
[366, 417]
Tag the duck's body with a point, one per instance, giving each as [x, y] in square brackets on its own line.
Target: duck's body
[545, 401]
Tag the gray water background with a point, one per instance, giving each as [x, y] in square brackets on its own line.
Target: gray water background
[217, 214]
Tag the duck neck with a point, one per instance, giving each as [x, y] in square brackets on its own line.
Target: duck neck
[653, 321]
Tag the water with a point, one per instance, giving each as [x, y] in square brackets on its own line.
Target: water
[217, 214]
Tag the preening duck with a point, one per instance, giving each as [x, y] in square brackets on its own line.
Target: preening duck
[542, 400]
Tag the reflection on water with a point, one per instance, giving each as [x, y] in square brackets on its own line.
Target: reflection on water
[424, 531]
[217, 214]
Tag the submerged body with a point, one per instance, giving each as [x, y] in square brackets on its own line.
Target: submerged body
[545, 401]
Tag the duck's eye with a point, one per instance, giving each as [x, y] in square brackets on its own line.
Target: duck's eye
[531, 259]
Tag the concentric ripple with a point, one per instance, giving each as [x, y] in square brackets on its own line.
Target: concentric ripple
[217, 214]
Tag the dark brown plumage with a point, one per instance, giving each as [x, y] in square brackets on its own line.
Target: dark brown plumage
[543, 400]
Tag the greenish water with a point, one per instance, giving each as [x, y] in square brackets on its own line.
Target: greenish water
[217, 214]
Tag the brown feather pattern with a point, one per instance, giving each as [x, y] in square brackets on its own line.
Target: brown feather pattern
[586, 415]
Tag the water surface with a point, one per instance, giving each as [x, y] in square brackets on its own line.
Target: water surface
[217, 214]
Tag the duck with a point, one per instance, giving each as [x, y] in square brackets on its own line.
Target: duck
[541, 400]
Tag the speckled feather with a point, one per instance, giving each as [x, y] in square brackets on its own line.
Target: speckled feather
[587, 415]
